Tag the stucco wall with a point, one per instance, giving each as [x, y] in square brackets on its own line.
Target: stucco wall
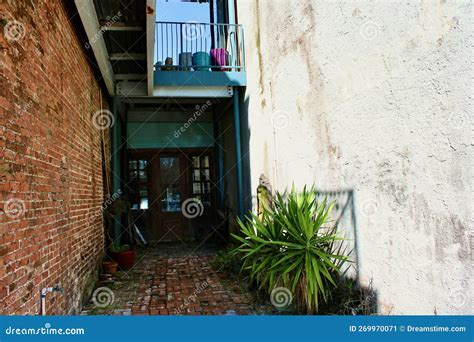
[374, 96]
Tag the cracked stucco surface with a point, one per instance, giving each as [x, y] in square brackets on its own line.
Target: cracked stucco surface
[374, 96]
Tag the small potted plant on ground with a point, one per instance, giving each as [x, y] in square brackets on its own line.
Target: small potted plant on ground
[109, 267]
[123, 255]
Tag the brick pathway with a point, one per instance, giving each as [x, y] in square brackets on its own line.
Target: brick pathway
[175, 280]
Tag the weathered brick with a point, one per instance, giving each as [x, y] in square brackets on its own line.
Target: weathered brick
[47, 98]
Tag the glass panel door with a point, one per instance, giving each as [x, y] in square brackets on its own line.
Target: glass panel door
[138, 184]
[201, 179]
[170, 181]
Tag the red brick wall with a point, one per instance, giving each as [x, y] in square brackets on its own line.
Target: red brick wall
[50, 160]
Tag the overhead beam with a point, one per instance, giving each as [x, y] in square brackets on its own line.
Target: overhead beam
[121, 27]
[157, 100]
[89, 19]
[128, 77]
[127, 56]
[131, 89]
[168, 116]
[192, 91]
[150, 43]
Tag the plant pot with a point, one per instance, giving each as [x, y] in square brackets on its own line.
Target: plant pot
[124, 259]
[219, 57]
[109, 267]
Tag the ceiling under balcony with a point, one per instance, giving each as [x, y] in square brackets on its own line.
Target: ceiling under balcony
[121, 35]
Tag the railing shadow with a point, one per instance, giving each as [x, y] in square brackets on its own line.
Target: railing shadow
[350, 297]
[343, 216]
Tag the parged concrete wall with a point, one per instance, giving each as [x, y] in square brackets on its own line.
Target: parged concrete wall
[374, 96]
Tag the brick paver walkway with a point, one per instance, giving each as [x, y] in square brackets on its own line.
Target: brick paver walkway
[175, 280]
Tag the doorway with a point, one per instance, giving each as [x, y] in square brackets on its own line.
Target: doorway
[173, 193]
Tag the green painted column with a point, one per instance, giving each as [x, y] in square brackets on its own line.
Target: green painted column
[238, 154]
[116, 141]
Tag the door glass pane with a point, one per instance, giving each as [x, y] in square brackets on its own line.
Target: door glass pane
[196, 162]
[170, 185]
[201, 176]
[196, 188]
[138, 184]
[205, 161]
[206, 201]
[144, 203]
[205, 174]
[169, 170]
[196, 176]
[171, 200]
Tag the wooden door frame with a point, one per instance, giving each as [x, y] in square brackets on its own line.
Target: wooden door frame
[154, 186]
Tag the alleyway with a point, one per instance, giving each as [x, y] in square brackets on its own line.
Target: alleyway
[175, 280]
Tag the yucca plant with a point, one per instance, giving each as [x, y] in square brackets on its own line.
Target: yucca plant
[293, 245]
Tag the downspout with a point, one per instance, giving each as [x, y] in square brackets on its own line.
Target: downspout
[115, 161]
[238, 154]
[238, 149]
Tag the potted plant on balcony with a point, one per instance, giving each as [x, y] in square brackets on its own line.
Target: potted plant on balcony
[124, 255]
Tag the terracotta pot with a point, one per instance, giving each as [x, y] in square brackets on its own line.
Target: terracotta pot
[124, 259]
[109, 267]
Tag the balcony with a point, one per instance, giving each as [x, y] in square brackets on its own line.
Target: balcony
[202, 55]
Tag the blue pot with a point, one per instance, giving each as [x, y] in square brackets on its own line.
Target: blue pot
[201, 61]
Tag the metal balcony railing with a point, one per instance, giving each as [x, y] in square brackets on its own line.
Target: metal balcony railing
[199, 47]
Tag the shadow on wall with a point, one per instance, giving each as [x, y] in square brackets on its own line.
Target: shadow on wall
[344, 217]
[349, 298]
